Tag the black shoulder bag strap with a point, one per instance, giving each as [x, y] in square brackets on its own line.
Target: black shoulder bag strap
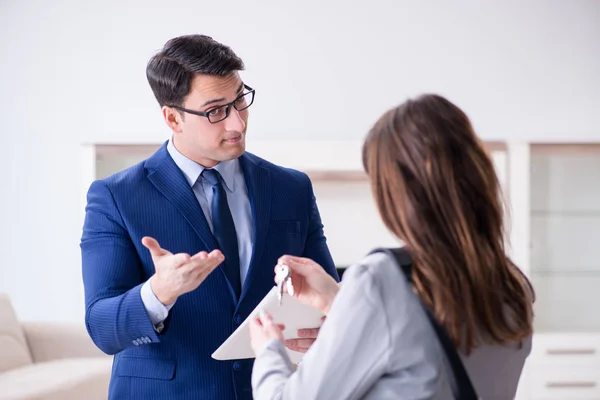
[463, 388]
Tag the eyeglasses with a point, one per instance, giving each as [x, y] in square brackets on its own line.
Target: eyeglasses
[218, 114]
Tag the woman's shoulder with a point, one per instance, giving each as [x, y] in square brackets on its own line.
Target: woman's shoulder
[380, 271]
[370, 267]
[375, 263]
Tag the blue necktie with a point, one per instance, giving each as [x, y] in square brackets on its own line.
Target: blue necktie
[224, 229]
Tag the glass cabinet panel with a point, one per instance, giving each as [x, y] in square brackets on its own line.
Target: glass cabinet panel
[565, 237]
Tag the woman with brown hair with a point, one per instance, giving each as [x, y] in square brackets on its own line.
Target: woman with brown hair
[437, 192]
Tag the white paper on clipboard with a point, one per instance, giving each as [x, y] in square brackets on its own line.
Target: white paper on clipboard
[292, 313]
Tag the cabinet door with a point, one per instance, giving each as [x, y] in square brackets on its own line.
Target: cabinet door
[565, 237]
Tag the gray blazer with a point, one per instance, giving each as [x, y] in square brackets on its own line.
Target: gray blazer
[377, 343]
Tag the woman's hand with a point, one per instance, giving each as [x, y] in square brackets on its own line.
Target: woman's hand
[312, 285]
[262, 331]
[305, 339]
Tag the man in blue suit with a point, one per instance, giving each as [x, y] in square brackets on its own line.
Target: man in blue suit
[178, 250]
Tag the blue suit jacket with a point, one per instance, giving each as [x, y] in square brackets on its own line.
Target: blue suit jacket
[154, 199]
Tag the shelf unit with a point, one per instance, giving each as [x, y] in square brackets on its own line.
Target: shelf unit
[562, 182]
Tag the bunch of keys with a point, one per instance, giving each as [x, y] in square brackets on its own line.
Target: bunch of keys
[283, 276]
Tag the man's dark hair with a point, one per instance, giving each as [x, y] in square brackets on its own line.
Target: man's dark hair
[170, 71]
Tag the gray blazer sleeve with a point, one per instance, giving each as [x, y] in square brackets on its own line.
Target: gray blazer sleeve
[353, 352]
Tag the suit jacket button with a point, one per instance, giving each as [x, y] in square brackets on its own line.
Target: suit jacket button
[238, 319]
[237, 365]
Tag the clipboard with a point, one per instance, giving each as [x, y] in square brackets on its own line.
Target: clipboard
[292, 313]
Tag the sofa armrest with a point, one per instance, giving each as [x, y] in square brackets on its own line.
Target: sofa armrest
[51, 341]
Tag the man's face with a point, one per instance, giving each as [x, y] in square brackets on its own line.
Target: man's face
[195, 136]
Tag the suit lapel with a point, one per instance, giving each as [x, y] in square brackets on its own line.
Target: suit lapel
[170, 181]
[258, 182]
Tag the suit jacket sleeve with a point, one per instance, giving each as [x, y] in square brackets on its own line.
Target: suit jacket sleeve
[316, 244]
[112, 276]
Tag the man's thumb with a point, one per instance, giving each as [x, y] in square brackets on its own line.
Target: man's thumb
[152, 245]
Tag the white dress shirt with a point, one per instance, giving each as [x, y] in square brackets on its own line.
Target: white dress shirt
[239, 204]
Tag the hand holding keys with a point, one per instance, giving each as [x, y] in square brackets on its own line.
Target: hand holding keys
[283, 277]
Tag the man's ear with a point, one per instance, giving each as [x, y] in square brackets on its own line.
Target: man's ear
[173, 118]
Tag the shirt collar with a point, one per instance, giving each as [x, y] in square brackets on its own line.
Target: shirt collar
[192, 169]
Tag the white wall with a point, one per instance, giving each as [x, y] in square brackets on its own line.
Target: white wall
[322, 70]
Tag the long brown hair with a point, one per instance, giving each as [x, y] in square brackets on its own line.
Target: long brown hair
[436, 189]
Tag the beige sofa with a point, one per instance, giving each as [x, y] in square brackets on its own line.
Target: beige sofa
[49, 361]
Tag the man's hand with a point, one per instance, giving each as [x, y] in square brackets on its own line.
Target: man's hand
[177, 274]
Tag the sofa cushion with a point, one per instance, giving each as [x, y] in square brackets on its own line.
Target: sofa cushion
[13, 346]
[75, 378]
